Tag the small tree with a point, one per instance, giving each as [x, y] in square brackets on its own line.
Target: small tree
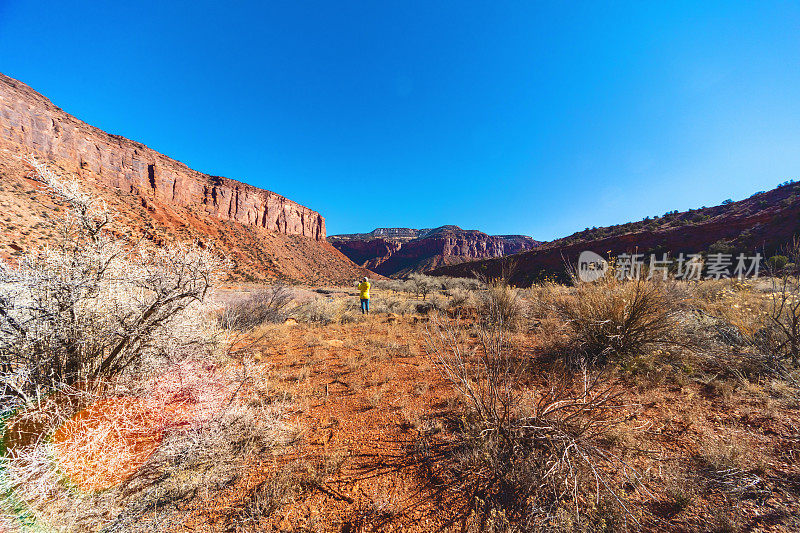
[422, 285]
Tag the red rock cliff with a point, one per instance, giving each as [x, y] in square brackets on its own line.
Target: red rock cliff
[30, 123]
[390, 251]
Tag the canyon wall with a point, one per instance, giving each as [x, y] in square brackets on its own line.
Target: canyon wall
[400, 251]
[30, 123]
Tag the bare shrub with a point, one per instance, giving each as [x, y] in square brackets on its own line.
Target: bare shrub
[392, 285]
[267, 497]
[502, 305]
[91, 304]
[540, 298]
[423, 285]
[612, 320]
[460, 297]
[392, 304]
[264, 306]
[193, 465]
[465, 284]
[322, 311]
[748, 328]
[782, 333]
[518, 453]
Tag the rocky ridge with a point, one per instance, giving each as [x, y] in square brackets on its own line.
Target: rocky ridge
[32, 124]
[764, 223]
[400, 251]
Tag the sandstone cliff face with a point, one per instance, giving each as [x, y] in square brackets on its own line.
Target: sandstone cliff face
[30, 123]
[368, 253]
[263, 235]
[403, 250]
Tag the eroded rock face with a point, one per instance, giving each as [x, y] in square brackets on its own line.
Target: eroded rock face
[368, 253]
[30, 123]
[391, 251]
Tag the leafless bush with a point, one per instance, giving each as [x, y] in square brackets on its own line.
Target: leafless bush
[392, 285]
[461, 297]
[782, 333]
[423, 285]
[747, 328]
[418, 283]
[391, 304]
[261, 307]
[613, 320]
[519, 453]
[91, 304]
[322, 311]
[465, 284]
[267, 497]
[502, 305]
[540, 298]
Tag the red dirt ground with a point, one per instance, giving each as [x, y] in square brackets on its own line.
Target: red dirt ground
[361, 403]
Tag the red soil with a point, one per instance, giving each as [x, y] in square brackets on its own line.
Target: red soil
[104, 444]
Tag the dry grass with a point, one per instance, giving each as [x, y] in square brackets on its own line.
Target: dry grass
[134, 464]
[520, 453]
[615, 321]
[269, 305]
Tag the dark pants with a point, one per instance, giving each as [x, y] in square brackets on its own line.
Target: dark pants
[364, 305]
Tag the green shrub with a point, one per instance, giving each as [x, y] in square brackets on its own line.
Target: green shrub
[777, 262]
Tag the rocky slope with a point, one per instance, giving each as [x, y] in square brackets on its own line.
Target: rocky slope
[265, 234]
[763, 223]
[400, 251]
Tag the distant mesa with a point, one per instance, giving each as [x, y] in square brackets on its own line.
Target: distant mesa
[401, 251]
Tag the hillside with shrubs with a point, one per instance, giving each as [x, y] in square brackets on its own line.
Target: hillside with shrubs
[764, 223]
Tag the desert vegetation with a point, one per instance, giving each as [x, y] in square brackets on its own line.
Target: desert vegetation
[143, 391]
[118, 403]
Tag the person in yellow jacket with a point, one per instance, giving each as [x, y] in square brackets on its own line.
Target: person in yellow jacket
[363, 289]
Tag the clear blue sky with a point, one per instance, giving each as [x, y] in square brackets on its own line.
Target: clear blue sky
[527, 117]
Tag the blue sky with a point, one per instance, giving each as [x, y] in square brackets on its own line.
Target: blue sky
[539, 118]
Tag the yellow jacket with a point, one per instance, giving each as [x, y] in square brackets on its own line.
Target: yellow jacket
[363, 288]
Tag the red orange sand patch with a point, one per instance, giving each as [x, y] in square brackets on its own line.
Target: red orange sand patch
[104, 444]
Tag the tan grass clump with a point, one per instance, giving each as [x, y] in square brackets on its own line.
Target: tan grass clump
[612, 320]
